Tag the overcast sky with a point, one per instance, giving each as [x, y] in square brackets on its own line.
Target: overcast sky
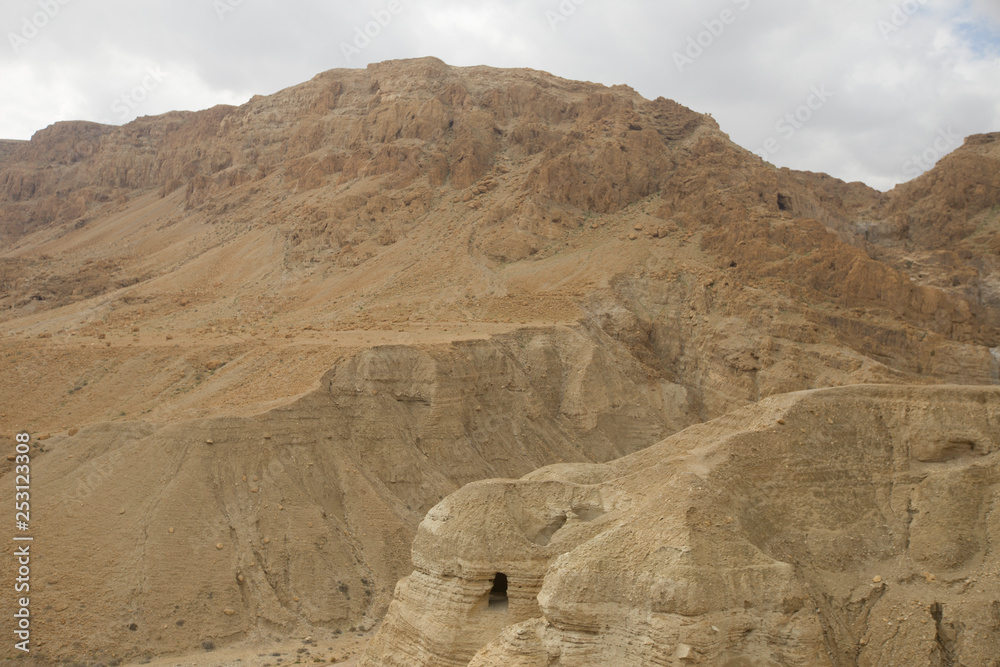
[855, 88]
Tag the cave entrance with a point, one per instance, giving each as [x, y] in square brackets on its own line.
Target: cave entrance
[498, 594]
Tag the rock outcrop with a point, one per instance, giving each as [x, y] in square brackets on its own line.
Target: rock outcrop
[850, 526]
[415, 276]
[227, 528]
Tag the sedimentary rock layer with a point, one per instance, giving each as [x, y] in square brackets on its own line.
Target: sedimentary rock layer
[849, 526]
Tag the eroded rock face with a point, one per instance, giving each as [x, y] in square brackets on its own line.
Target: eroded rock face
[228, 528]
[832, 527]
[505, 270]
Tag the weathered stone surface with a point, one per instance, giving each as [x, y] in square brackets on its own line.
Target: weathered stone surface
[313, 504]
[503, 269]
[846, 526]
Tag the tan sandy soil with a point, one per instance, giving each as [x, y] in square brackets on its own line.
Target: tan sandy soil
[342, 651]
[293, 327]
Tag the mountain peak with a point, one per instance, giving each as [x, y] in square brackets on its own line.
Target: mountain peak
[335, 305]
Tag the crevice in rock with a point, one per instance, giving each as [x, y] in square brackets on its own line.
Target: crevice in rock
[946, 636]
[588, 513]
[542, 537]
[498, 593]
[911, 512]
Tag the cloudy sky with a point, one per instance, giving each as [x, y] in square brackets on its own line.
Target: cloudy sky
[869, 90]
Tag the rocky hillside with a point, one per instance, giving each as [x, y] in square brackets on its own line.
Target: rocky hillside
[373, 288]
[852, 526]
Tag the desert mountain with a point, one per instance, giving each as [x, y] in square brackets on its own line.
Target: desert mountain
[257, 344]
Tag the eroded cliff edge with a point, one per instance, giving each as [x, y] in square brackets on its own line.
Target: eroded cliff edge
[847, 526]
[158, 537]
[504, 269]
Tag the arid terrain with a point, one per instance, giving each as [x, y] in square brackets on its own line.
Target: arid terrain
[828, 527]
[256, 345]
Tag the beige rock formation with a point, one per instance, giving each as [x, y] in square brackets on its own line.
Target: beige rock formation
[415, 276]
[164, 536]
[849, 526]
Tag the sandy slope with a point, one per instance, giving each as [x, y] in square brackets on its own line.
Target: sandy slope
[413, 277]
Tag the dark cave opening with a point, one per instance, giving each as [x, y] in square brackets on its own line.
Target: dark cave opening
[498, 594]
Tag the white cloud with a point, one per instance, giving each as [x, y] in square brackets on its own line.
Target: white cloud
[988, 9]
[894, 88]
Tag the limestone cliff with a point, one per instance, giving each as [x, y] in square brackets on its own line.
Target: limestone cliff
[413, 277]
[850, 526]
[227, 528]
